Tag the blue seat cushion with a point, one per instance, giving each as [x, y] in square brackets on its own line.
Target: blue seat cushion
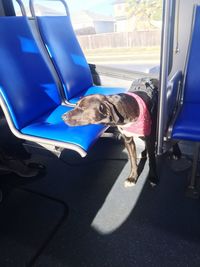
[26, 83]
[186, 126]
[51, 126]
[69, 61]
[98, 90]
[66, 54]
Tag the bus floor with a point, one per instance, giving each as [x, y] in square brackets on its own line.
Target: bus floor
[80, 214]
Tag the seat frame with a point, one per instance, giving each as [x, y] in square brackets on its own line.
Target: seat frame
[39, 140]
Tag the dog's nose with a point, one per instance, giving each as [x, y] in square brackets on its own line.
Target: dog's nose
[65, 116]
[68, 120]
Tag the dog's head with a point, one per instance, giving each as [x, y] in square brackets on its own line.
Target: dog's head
[99, 109]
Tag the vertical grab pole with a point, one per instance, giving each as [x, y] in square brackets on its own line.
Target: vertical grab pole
[164, 63]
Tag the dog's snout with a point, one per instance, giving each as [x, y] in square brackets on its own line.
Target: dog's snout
[69, 119]
[64, 116]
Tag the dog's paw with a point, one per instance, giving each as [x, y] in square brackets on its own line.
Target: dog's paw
[175, 157]
[153, 181]
[129, 182]
[153, 184]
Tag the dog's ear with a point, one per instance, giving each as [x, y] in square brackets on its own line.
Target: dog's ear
[126, 107]
[113, 110]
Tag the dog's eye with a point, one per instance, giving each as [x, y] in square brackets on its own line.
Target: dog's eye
[102, 108]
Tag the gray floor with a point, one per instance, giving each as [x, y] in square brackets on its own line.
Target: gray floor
[83, 216]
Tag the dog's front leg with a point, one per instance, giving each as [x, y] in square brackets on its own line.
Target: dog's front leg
[131, 148]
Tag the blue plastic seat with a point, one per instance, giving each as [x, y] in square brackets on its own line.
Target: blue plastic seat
[69, 61]
[187, 124]
[29, 95]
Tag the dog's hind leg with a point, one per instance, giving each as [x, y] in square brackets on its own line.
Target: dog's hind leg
[176, 151]
[131, 148]
[150, 146]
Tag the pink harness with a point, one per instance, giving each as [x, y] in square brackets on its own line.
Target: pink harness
[142, 126]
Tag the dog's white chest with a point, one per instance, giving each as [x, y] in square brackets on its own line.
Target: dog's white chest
[126, 132]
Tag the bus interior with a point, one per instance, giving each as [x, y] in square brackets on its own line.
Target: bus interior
[76, 211]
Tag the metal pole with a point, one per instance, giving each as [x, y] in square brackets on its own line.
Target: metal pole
[32, 9]
[21, 5]
[164, 63]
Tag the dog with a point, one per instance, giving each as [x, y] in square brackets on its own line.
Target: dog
[137, 107]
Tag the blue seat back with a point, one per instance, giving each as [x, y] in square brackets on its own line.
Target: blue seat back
[63, 47]
[26, 83]
[192, 79]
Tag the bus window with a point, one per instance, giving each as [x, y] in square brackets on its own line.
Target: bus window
[122, 34]
[17, 8]
[42, 7]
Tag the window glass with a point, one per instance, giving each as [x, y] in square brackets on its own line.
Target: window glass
[117, 33]
[17, 8]
[42, 7]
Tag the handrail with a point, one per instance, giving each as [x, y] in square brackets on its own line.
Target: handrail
[165, 51]
[32, 9]
[21, 5]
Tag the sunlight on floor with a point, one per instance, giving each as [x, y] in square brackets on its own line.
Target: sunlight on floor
[119, 203]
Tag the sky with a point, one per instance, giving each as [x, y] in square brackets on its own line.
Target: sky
[99, 6]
